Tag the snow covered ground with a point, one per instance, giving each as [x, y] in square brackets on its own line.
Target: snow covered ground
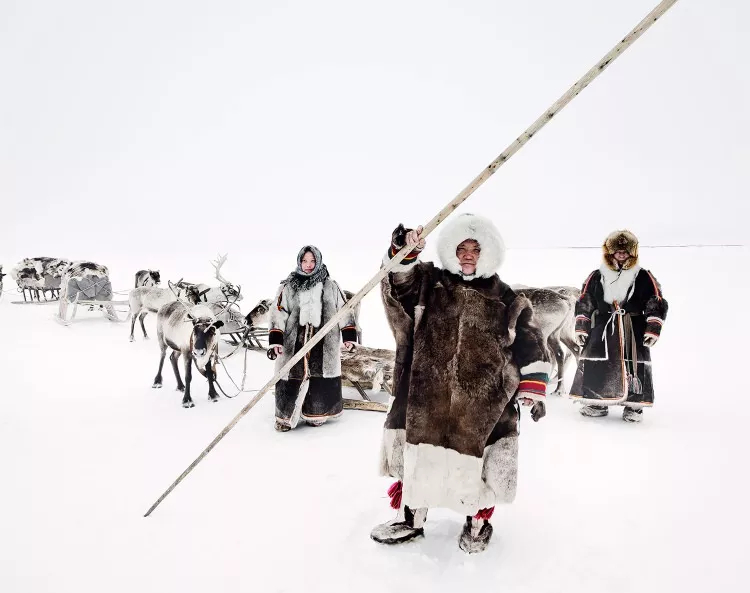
[87, 446]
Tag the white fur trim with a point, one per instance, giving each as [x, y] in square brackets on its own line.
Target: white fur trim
[440, 477]
[531, 395]
[617, 285]
[500, 471]
[481, 230]
[400, 267]
[392, 453]
[652, 319]
[536, 367]
[608, 402]
[311, 305]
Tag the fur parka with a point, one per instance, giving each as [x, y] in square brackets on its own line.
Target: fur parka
[463, 347]
[304, 303]
[617, 309]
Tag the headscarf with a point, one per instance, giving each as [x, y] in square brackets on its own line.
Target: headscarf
[299, 280]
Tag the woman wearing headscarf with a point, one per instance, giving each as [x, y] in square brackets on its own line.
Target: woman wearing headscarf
[305, 301]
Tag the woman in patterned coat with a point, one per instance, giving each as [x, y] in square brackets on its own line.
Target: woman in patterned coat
[619, 317]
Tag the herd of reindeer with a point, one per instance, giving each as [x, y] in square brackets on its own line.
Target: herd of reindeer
[190, 318]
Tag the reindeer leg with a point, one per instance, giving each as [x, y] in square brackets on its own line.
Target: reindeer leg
[133, 315]
[573, 349]
[187, 401]
[212, 395]
[554, 345]
[174, 357]
[157, 379]
[143, 327]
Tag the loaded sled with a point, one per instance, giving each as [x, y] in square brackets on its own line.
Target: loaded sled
[87, 284]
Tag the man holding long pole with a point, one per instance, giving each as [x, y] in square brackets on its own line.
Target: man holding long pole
[486, 173]
[467, 351]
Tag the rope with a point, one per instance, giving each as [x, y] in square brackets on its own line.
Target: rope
[240, 389]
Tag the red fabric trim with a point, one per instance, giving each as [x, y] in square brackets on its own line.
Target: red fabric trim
[395, 492]
[485, 513]
[411, 256]
[656, 286]
[586, 285]
[530, 389]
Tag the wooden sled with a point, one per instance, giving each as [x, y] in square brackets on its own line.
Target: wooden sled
[251, 340]
[355, 404]
[368, 368]
[106, 307]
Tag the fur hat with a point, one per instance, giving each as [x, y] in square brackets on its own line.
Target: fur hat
[615, 241]
[481, 230]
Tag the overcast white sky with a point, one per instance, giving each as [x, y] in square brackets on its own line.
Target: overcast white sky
[182, 128]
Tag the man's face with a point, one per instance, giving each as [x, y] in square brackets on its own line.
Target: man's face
[468, 253]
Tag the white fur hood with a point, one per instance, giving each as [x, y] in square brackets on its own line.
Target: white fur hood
[471, 226]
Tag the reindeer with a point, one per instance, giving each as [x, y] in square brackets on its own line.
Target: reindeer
[147, 278]
[553, 312]
[149, 299]
[193, 333]
[226, 291]
[1, 279]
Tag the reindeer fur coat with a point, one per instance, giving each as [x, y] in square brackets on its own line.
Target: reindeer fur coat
[293, 310]
[462, 346]
[617, 308]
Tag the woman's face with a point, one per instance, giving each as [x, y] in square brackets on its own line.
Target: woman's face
[621, 256]
[308, 262]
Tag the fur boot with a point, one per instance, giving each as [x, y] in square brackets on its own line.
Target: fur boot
[475, 536]
[282, 426]
[594, 411]
[632, 414]
[406, 526]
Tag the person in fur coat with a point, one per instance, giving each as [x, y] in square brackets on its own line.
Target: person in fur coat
[305, 301]
[619, 317]
[467, 350]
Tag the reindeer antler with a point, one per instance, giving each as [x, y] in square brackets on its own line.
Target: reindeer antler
[220, 260]
[227, 307]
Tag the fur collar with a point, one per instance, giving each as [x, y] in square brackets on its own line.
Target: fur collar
[618, 284]
[311, 305]
[471, 226]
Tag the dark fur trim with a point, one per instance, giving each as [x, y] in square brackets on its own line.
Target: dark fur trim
[276, 337]
[349, 334]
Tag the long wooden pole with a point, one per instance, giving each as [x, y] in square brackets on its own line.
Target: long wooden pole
[488, 171]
